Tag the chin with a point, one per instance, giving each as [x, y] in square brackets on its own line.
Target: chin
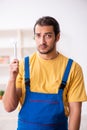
[42, 51]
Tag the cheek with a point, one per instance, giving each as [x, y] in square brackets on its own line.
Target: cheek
[51, 42]
[37, 44]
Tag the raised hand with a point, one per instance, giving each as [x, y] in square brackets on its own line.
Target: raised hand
[14, 69]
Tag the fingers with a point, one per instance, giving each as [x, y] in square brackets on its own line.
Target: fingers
[15, 61]
[14, 66]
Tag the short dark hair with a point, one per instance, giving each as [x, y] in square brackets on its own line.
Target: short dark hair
[48, 21]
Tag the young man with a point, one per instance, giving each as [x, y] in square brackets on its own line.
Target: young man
[49, 86]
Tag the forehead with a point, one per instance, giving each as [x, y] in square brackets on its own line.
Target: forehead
[43, 29]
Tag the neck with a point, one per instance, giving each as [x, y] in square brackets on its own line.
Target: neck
[49, 56]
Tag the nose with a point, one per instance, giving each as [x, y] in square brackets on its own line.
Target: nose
[42, 40]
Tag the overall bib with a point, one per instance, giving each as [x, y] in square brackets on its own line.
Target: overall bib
[42, 111]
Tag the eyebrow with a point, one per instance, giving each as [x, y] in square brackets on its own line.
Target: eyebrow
[45, 33]
[48, 33]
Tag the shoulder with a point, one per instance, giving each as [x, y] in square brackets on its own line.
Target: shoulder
[75, 65]
[22, 61]
[33, 56]
[76, 68]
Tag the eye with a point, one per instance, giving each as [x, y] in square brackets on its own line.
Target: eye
[48, 35]
[37, 35]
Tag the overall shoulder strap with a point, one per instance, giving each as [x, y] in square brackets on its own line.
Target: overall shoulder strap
[66, 73]
[27, 71]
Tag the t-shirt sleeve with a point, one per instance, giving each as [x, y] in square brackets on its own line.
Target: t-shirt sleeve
[76, 91]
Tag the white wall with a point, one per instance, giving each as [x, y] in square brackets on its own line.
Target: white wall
[71, 14]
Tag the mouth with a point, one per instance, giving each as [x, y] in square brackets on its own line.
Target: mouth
[43, 46]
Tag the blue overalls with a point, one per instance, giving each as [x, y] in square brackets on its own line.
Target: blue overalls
[42, 111]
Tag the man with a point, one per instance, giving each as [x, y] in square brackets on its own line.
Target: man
[48, 85]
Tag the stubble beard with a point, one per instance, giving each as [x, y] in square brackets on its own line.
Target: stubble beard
[47, 51]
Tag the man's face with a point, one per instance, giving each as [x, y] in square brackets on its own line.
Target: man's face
[45, 39]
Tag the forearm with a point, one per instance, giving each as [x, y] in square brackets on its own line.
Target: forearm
[75, 117]
[74, 123]
[10, 98]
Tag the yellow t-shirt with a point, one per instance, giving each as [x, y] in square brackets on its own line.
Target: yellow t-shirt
[46, 77]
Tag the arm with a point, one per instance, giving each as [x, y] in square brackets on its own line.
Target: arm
[12, 95]
[75, 115]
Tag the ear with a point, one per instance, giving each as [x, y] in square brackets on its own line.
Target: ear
[57, 37]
